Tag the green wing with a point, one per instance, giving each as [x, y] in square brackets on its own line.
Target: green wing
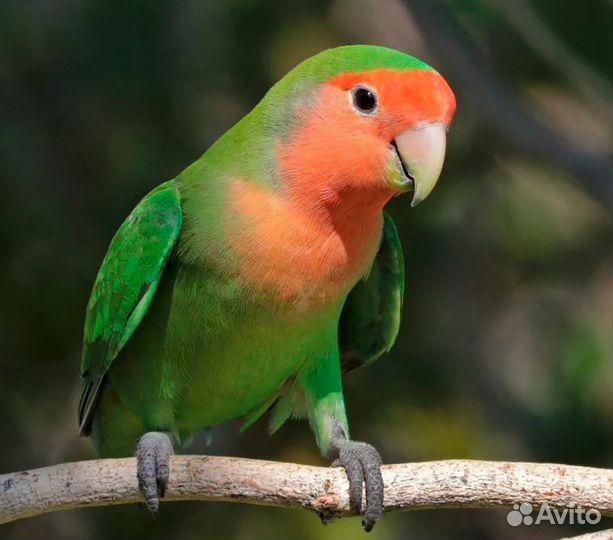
[371, 315]
[125, 285]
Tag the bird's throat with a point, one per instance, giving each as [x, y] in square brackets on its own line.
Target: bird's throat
[306, 254]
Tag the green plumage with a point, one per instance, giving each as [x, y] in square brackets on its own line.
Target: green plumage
[371, 315]
[124, 288]
[176, 340]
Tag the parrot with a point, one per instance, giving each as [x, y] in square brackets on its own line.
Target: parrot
[257, 277]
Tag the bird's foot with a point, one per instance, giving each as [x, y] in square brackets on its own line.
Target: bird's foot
[362, 463]
[152, 464]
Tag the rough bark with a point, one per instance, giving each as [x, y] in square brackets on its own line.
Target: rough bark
[408, 486]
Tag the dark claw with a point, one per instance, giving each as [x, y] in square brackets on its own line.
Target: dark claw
[152, 455]
[326, 519]
[362, 463]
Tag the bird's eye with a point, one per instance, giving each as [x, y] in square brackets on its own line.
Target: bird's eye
[364, 99]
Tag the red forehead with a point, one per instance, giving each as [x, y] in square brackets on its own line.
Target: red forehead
[421, 94]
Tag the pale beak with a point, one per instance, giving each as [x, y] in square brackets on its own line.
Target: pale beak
[421, 152]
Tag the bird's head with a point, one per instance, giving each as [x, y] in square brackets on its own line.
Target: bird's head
[359, 125]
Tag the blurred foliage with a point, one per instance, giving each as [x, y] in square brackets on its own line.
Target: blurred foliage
[505, 348]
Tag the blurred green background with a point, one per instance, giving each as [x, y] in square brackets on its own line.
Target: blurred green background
[505, 351]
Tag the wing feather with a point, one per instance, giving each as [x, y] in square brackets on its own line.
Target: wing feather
[125, 285]
[370, 318]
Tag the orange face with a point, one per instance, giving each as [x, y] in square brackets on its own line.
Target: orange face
[405, 99]
[351, 145]
[363, 137]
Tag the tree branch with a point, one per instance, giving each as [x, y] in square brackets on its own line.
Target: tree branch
[408, 486]
[598, 535]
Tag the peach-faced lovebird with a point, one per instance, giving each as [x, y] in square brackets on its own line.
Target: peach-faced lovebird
[266, 269]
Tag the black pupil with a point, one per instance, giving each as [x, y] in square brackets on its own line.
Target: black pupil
[364, 99]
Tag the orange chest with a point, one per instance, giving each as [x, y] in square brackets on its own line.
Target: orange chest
[295, 256]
